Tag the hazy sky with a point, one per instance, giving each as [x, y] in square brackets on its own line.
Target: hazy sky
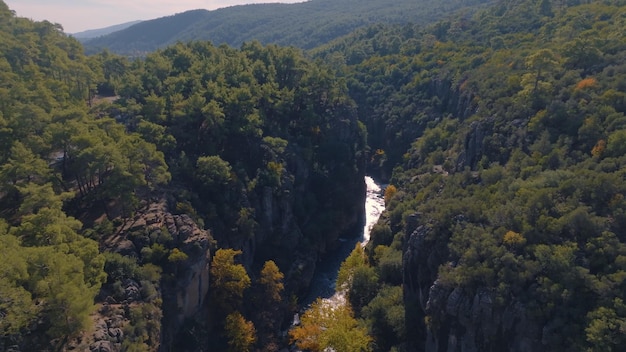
[80, 15]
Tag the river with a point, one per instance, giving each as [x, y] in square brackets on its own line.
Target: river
[323, 284]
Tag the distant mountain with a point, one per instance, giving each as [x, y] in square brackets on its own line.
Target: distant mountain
[94, 33]
[305, 25]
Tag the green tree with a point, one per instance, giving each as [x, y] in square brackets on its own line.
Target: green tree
[70, 300]
[36, 197]
[22, 167]
[213, 171]
[385, 317]
[176, 255]
[363, 287]
[355, 260]
[357, 279]
[607, 327]
[16, 305]
[616, 144]
[55, 279]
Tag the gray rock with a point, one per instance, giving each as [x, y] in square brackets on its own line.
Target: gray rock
[103, 346]
[116, 321]
[132, 290]
[151, 219]
[100, 330]
[170, 223]
[138, 225]
[126, 248]
[473, 145]
[117, 334]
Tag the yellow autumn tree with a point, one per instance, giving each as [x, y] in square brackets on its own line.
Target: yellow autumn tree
[588, 82]
[240, 333]
[513, 239]
[390, 191]
[229, 280]
[272, 281]
[599, 148]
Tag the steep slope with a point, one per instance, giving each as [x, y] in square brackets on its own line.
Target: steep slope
[61, 167]
[265, 149]
[113, 212]
[505, 132]
[305, 25]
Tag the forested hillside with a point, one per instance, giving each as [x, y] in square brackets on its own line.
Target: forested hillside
[58, 162]
[241, 167]
[182, 201]
[304, 25]
[502, 136]
[94, 33]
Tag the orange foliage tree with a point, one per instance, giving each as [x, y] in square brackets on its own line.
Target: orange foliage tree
[390, 191]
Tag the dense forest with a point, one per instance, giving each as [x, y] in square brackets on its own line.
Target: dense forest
[61, 166]
[182, 201]
[501, 135]
[304, 25]
[251, 159]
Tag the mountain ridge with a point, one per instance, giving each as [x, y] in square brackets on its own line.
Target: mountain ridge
[305, 25]
[98, 32]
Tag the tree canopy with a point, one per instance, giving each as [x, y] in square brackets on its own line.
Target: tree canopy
[325, 326]
[501, 133]
[495, 131]
[305, 25]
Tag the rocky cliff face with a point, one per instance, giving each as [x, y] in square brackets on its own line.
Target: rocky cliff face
[453, 319]
[473, 147]
[304, 219]
[318, 198]
[180, 294]
[453, 99]
[184, 295]
[420, 264]
[472, 321]
[293, 217]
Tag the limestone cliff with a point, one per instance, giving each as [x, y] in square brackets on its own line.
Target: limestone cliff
[455, 319]
[157, 307]
[317, 198]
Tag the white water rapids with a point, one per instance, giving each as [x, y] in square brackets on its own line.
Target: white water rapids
[323, 284]
[374, 206]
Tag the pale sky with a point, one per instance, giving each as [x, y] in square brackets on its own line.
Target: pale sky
[79, 15]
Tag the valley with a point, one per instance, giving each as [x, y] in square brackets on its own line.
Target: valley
[223, 182]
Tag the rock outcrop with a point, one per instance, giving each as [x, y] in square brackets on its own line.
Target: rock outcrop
[466, 321]
[181, 293]
[473, 146]
[454, 319]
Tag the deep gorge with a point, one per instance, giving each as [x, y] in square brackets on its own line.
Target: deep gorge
[191, 210]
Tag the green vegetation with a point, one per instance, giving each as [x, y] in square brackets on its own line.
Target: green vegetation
[325, 326]
[221, 133]
[501, 133]
[54, 154]
[305, 25]
[502, 136]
